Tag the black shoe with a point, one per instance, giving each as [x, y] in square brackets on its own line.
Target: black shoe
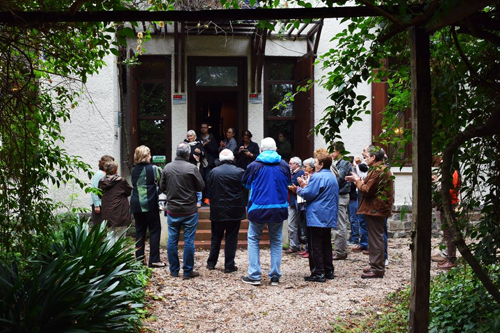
[274, 281]
[157, 265]
[190, 276]
[329, 276]
[210, 267]
[247, 280]
[230, 269]
[315, 278]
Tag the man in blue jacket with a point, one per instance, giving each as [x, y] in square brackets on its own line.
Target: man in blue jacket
[267, 178]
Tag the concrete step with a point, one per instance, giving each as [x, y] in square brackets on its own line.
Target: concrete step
[242, 244]
[206, 224]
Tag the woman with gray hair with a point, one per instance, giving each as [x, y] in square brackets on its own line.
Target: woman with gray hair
[196, 156]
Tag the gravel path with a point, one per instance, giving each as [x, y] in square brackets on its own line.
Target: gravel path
[218, 302]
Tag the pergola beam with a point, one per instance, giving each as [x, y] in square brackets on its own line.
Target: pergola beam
[200, 15]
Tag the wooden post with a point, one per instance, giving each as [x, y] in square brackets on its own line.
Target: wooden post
[422, 159]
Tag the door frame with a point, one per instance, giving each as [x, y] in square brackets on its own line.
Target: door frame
[242, 88]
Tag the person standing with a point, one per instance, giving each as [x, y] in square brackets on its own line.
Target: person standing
[115, 206]
[95, 200]
[247, 152]
[180, 181]
[293, 207]
[144, 205]
[376, 204]
[267, 179]
[227, 209]
[320, 191]
[229, 142]
[341, 168]
[196, 157]
[208, 163]
[361, 170]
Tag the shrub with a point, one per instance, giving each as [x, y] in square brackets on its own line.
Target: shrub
[460, 303]
[84, 283]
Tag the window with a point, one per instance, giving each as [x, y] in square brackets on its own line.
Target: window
[279, 80]
[151, 106]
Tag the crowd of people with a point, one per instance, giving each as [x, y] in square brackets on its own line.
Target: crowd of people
[323, 193]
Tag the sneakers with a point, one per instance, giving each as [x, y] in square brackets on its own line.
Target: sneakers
[315, 278]
[290, 250]
[386, 263]
[247, 280]
[274, 281]
[352, 243]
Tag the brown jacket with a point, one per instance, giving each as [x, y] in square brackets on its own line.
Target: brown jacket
[377, 191]
[115, 207]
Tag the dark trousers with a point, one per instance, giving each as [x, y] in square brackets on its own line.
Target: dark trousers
[375, 226]
[206, 190]
[96, 217]
[320, 250]
[231, 228]
[143, 222]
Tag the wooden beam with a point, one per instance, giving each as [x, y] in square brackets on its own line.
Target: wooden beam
[456, 13]
[199, 15]
[422, 189]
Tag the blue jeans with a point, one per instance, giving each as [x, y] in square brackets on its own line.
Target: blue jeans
[175, 224]
[353, 217]
[199, 195]
[254, 235]
[363, 230]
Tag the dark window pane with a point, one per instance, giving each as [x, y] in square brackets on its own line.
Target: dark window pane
[152, 133]
[152, 99]
[285, 127]
[217, 76]
[152, 70]
[276, 93]
[280, 71]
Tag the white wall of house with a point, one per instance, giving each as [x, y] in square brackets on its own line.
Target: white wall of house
[93, 130]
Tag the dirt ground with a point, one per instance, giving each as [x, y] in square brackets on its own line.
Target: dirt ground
[219, 302]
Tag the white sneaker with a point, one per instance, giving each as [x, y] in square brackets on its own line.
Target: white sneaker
[386, 262]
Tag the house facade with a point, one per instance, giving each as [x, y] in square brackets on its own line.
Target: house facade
[229, 75]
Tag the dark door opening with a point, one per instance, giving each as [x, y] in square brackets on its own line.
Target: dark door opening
[217, 94]
[219, 109]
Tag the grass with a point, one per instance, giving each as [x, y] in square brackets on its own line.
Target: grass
[390, 317]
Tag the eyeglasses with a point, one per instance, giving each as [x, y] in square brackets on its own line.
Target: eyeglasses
[204, 127]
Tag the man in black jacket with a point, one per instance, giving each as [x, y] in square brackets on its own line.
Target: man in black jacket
[227, 209]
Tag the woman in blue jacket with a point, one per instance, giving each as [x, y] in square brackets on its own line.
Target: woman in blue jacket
[321, 193]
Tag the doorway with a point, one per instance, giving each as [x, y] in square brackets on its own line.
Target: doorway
[216, 90]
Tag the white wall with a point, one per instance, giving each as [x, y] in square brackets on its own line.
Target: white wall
[92, 131]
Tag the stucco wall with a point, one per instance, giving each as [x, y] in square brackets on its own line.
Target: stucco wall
[93, 130]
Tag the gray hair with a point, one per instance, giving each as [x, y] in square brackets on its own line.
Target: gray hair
[297, 161]
[226, 155]
[309, 162]
[183, 150]
[267, 144]
[191, 132]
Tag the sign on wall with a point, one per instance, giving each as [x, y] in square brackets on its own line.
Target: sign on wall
[179, 99]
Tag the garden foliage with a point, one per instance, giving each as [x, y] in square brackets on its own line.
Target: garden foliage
[83, 283]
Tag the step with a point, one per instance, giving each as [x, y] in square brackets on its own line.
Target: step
[207, 224]
[206, 235]
[242, 244]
